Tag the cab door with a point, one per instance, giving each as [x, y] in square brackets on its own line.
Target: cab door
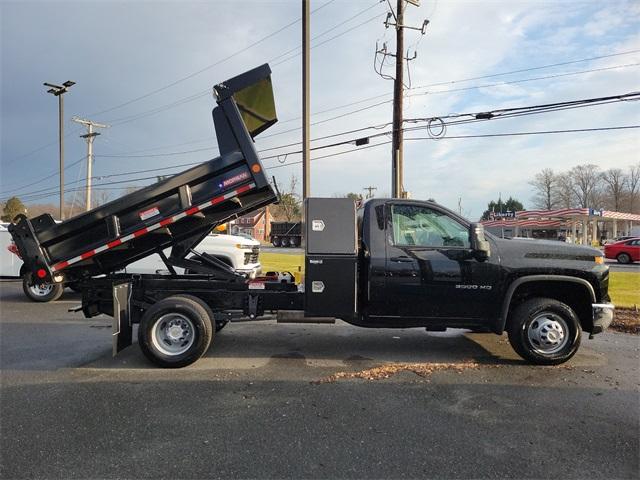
[431, 272]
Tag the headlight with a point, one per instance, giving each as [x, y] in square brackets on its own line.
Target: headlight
[599, 260]
[242, 246]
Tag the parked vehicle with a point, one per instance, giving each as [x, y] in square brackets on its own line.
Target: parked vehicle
[286, 234]
[625, 251]
[619, 239]
[240, 253]
[9, 262]
[391, 263]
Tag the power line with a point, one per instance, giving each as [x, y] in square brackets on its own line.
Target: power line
[204, 93]
[330, 29]
[495, 114]
[344, 133]
[474, 117]
[54, 174]
[375, 17]
[539, 67]
[28, 197]
[473, 87]
[518, 134]
[529, 69]
[210, 66]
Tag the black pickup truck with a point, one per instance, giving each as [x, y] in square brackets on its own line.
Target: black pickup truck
[391, 263]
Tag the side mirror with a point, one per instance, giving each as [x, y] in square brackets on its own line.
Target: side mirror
[479, 244]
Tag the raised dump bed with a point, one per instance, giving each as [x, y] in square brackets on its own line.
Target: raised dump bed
[177, 212]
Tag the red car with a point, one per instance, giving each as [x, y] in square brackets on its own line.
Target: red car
[625, 251]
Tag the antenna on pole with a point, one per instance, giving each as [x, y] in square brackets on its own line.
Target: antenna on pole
[370, 191]
[89, 136]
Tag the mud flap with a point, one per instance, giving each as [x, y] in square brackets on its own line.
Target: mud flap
[122, 326]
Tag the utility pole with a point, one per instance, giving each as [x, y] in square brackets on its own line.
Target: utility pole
[306, 144]
[89, 136]
[370, 191]
[397, 154]
[398, 97]
[59, 91]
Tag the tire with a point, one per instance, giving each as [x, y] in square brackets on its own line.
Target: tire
[544, 331]
[623, 258]
[220, 324]
[276, 241]
[43, 292]
[192, 322]
[294, 242]
[285, 242]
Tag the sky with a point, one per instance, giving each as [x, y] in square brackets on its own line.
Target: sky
[146, 68]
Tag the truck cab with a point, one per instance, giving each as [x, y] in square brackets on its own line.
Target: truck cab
[424, 265]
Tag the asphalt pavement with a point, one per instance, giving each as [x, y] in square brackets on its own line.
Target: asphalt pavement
[277, 401]
[614, 266]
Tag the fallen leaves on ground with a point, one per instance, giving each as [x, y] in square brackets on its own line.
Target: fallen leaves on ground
[386, 371]
[626, 320]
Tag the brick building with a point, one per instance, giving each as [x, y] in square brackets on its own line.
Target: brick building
[256, 224]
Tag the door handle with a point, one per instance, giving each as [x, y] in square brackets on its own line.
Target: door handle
[402, 259]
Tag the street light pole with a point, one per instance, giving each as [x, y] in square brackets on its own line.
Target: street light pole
[59, 91]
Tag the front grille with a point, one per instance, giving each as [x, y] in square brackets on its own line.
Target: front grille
[252, 257]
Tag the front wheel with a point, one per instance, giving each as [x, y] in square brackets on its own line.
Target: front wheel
[544, 331]
[175, 332]
[624, 258]
[41, 292]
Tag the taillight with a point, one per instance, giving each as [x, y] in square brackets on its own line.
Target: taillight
[13, 248]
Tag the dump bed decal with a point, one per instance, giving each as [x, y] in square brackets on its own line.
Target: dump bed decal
[143, 231]
[149, 213]
[235, 179]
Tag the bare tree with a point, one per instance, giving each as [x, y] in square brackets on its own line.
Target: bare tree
[585, 184]
[544, 184]
[100, 197]
[563, 195]
[633, 185]
[614, 183]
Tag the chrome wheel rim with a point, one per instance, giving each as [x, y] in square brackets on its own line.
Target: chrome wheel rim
[173, 334]
[41, 290]
[548, 333]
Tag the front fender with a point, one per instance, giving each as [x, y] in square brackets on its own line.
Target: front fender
[506, 302]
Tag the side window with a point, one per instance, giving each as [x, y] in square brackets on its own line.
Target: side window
[424, 227]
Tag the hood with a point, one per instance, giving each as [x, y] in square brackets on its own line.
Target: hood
[233, 239]
[545, 249]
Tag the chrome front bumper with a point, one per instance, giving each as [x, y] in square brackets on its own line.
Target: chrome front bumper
[602, 316]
